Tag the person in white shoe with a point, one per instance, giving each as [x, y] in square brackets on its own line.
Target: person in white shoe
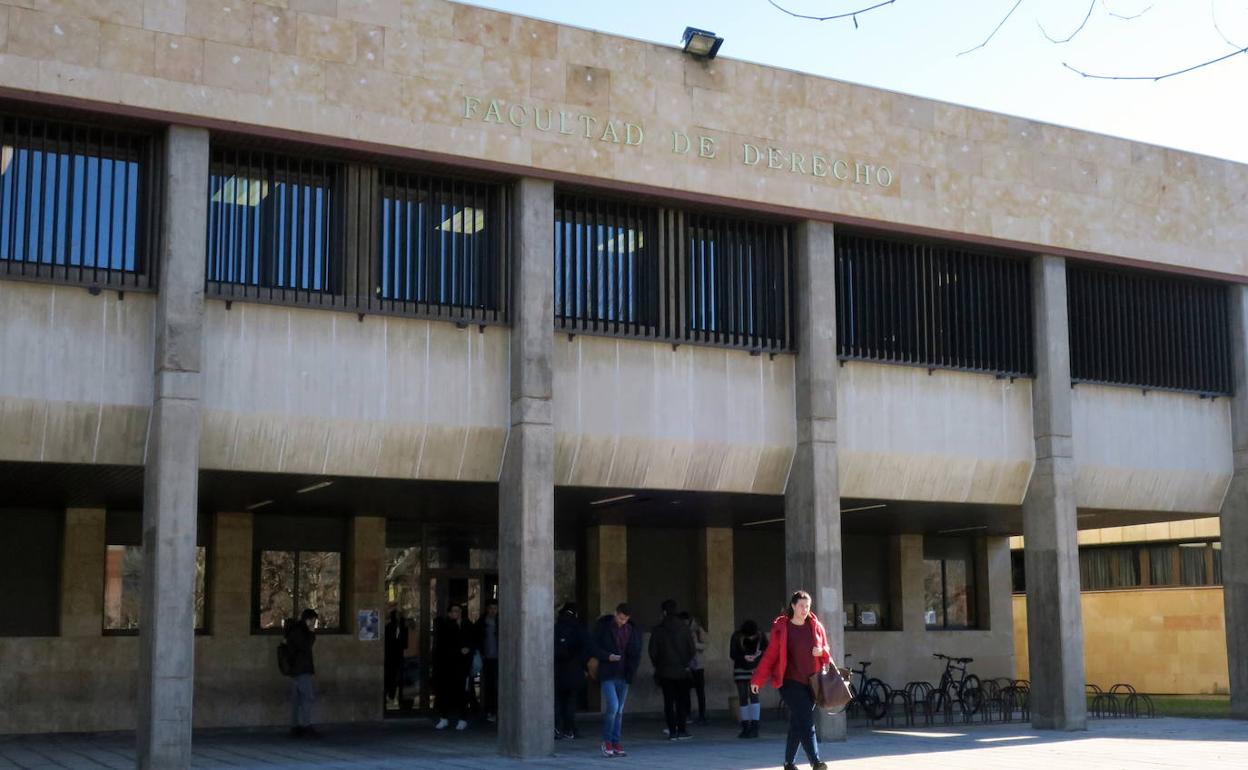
[452, 657]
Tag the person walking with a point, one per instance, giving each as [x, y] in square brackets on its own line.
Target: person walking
[452, 660]
[798, 648]
[745, 648]
[487, 643]
[617, 647]
[571, 653]
[671, 651]
[300, 637]
[696, 669]
[396, 646]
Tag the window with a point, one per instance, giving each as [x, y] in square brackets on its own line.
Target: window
[1112, 567]
[1195, 563]
[1018, 571]
[74, 202]
[647, 271]
[867, 569]
[271, 230]
[932, 305]
[949, 583]
[298, 564]
[30, 572]
[291, 581]
[1148, 330]
[1216, 558]
[123, 573]
[440, 243]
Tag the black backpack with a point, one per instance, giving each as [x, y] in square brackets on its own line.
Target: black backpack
[285, 660]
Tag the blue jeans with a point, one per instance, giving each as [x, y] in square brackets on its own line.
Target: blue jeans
[614, 693]
[801, 704]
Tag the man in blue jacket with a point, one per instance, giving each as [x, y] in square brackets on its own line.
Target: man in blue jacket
[617, 645]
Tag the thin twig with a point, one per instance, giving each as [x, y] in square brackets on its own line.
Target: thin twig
[1183, 71]
[851, 14]
[1125, 18]
[1213, 14]
[994, 32]
[1071, 36]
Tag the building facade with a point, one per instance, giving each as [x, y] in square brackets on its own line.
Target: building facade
[350, 302]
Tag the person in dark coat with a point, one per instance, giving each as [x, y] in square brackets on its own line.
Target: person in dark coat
[746, 647]
[300, 636]
[571, 653]
[671, 652]
[396, 645]
[452, 660]
[487, 645]
[616, 645]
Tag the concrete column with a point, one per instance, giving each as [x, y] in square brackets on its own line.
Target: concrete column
[606, 558]
[1050, 532]
[812, 505]
[526, 556]
[231, 575]
[171, 481]
[909, 607]
[366, 590]
[1234, 523]
[715, 597]
[82, 573]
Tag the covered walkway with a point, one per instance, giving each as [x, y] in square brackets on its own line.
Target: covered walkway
[1159, 743]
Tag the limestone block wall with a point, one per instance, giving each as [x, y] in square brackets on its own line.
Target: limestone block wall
[294, 390]
[399, 75]
[1160, 640]
[907, 434]
[76, 378]
[1154, 451]
[630, 413]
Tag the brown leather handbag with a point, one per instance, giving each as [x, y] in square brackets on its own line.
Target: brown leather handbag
[830, 686]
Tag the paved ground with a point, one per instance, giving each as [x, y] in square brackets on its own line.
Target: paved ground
[1159, 743]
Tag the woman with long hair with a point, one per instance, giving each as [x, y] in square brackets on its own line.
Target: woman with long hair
[797, 650]
[746, 648]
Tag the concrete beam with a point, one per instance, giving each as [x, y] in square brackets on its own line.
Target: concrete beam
[526, 557]
[171, 480]
[1234, 518]
[812, 505]
[1050, 524]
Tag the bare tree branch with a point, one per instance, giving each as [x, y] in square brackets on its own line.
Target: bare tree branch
[850, 15]
[1213, 14]
[994, 31]
[1183, 71]
[1121, 16]
[1071, 36]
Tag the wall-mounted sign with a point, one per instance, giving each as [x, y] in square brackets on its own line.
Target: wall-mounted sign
[704, 146]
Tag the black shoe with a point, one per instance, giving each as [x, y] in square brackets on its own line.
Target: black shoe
[753, 729]
[312, 732]
[745, 730]
[790, 766]
[296, 732]
[683, 735]
[819, 766]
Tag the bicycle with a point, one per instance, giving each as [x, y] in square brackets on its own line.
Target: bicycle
[964, 689]
[871, 695]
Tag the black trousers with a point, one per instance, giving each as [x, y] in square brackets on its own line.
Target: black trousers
[800, 701]
[394, 678]
[565, 709]
[675, 704]
[699, 687]
[489, 684]
[449, 692]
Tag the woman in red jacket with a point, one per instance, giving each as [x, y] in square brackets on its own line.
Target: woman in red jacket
[797, 649]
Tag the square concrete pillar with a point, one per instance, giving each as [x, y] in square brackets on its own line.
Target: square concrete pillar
[366, 590]
[231, 575]
[715, 597]
[1050, 524]
[171, 480]
[526, 553]
[82, 573]
[606, 560]
[1234, 521]
[812, 505]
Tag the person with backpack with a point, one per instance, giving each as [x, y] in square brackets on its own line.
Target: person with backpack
[671, 652]
[300, 635]
[745, 648]
[571, 651]
[617, 648]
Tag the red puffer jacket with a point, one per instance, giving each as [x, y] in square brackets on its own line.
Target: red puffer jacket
[776, 659]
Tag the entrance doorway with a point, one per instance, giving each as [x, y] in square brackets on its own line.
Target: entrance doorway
[470, 589]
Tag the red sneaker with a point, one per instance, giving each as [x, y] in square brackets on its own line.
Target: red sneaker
[619, 750]
[608, 749]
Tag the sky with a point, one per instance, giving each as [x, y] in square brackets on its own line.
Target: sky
[912, 46]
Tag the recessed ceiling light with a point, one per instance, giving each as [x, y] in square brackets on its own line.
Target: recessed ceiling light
[314, 487]
[616, 499]
[260, 504]
[762, 521]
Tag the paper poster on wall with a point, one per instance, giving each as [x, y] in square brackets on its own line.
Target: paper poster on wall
[369, 624]
[867, 618]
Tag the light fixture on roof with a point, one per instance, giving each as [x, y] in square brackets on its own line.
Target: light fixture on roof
[260, 504]
[609, 500]
[700, 43]
[313, 487]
